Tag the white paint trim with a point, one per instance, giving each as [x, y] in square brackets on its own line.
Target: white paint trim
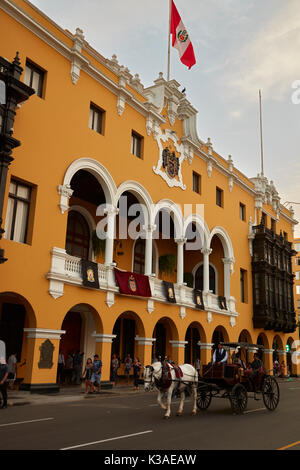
[43, 333]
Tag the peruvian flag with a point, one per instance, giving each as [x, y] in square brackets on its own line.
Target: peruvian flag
[180, 38]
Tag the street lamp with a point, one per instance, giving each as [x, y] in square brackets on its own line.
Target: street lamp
[12, 93]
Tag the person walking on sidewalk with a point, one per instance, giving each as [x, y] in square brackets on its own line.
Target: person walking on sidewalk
[96, 376]
[88, 372]
[136, 372]
[114, 369]
[128, 364]
[77, 364]
[3, 381]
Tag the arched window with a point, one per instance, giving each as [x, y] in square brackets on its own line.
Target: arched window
[78, 236]
[199, 279]
[139, 257]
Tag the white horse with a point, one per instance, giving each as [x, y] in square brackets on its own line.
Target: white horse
[154, 376]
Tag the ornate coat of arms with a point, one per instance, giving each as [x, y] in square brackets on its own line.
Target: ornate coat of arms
[171, 156]
[170, 162]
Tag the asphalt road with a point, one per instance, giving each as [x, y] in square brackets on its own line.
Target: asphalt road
[135, 422]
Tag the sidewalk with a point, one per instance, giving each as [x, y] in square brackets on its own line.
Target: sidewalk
[67, 394]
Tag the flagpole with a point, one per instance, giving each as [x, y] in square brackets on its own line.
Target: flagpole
[261, 136]
[169, 41]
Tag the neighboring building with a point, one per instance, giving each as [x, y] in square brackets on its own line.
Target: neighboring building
[297, 276]
[91, 134]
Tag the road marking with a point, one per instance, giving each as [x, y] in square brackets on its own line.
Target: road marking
[252, 411]
[107, 440]
[25, 422]
[290, 445]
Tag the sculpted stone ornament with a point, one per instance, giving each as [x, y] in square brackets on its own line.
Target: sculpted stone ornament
[46, 356]
[171, 156]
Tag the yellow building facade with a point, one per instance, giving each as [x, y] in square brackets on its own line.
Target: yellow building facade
[93, 138]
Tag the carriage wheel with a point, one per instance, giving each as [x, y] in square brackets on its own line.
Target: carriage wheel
[270, 391]
[238, 399]
[203, 400]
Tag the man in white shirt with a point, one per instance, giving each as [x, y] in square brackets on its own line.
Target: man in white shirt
[220, 355]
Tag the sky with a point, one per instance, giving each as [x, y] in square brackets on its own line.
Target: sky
[241, 46]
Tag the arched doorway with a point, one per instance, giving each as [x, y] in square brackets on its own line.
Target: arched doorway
[127, 329]
[80, 324]
[213, 283]
[139, 252]
[194, 336]
[87, 195]
[15, 314]
[245, 337]
[164, 332]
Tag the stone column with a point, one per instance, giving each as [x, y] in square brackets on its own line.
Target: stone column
[227, 264]
[111, 224]
[149, 229]
[178, 348]
[144, 350]
[103, 349]
[206, 252]
[268, 360]
[42, 350]
[180, 259]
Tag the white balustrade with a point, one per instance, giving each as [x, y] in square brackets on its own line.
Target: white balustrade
[67, 269]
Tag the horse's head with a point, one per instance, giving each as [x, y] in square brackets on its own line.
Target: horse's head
[148, 378]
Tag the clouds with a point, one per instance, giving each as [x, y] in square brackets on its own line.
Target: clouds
[271, 59]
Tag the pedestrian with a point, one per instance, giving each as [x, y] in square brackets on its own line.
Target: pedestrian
[12, 370]
[114, 369]
[87, 374]
[276, 368]
[282, 369]
[136, 372]
[96, 376]
[198, 365]
[128, 364]
[3, 381]
[69, 368]
[220, 355]
[77, 366]
[60, 367]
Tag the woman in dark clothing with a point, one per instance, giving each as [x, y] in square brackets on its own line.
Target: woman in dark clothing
[136, 372]
[88, 375]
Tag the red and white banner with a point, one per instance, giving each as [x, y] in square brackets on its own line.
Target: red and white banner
[180, 38]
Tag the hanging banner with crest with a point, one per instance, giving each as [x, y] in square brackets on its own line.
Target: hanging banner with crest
[133, 284]
[90, 276]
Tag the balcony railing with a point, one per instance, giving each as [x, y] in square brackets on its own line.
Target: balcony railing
[66, 269]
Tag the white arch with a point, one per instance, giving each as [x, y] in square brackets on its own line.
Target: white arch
[225, 240]
[171, 207]
[141, 194]
[201, 226]
[96, 169]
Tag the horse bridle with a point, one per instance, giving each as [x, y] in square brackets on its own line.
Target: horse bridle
[151, 381]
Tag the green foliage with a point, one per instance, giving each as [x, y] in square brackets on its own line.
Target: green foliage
[98, 244]
[189, 279]
[167, 263]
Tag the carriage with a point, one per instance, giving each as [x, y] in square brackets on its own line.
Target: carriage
[237, 383]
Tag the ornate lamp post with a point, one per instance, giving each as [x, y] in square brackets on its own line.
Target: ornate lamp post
[12, 93]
